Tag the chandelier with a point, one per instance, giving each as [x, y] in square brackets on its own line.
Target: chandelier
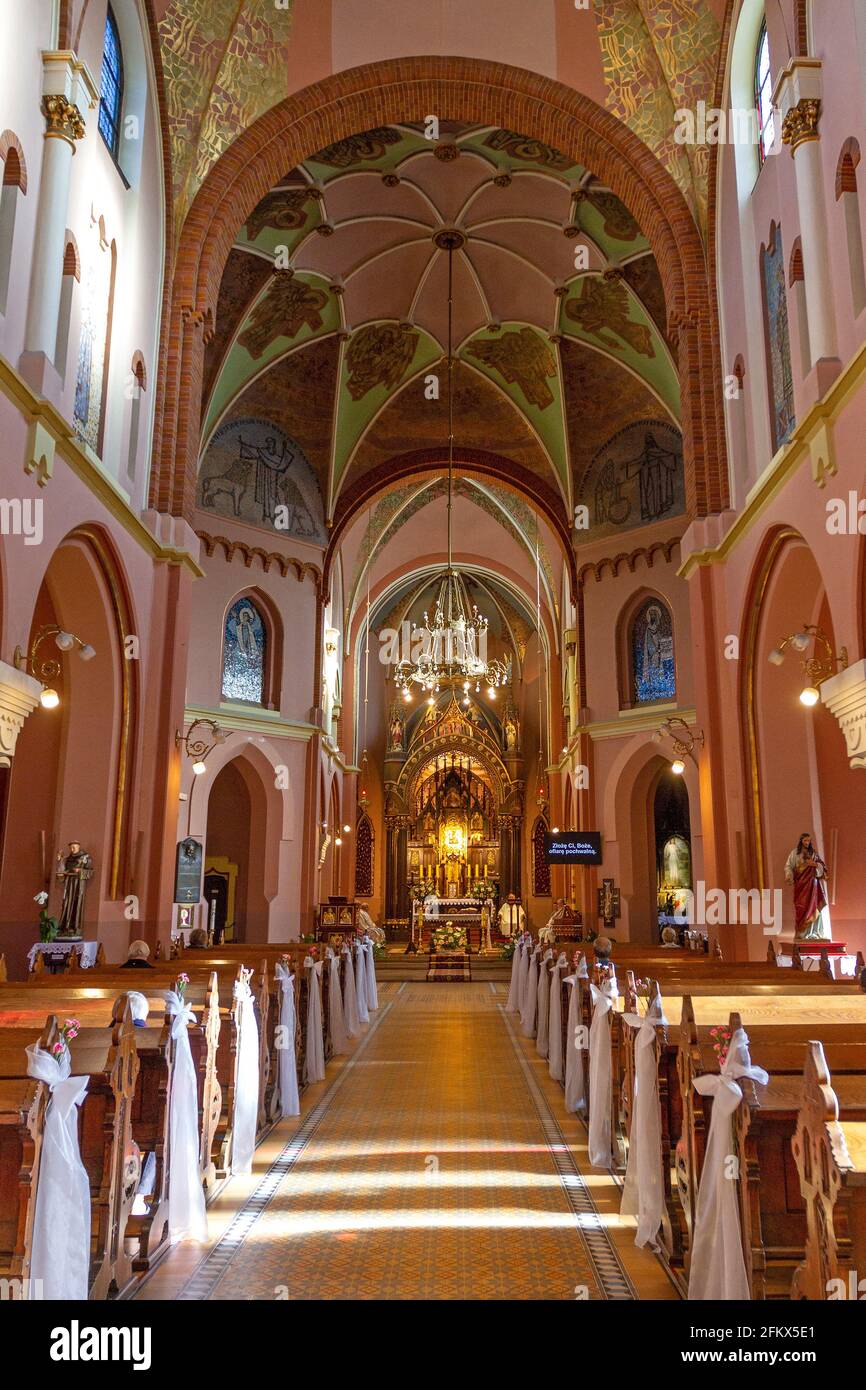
[451, 647]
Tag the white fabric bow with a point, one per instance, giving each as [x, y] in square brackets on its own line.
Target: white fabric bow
[60, 1257]
[186, 1205]
[575, 1094]
[246, 1082]
[335, 1006]
[290, 1102]
[314, 1059]
[351, 1017]
[554, 1025]
[603, 1000]
[718, 1269]
[643, 1193]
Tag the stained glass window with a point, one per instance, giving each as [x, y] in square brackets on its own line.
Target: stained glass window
[540, 866]
[364, 858]
[244, 653]
[111, 86]
[652, 654]
[778, 341]
[764, 97]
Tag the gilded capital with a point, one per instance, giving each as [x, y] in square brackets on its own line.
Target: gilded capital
[63, 118]
[801, 123]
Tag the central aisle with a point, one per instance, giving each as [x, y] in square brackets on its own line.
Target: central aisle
[431, 1165]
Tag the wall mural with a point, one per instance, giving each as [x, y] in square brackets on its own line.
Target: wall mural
[521, 357]
[250, 469]
[378, 355]
[281, 313]
[602, 307]
[636, 478]
[282, 208]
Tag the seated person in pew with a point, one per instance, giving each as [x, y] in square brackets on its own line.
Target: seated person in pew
[197, 939]
[669, 937]
[602, 946]
[137, 955]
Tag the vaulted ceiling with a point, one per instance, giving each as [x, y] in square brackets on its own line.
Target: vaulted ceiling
[332, 316]
[227, 62]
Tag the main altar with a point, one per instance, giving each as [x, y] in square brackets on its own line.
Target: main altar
[453, 775]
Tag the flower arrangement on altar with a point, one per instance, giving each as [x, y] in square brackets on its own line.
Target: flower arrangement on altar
[507, 948]
[449, 938]
[68, 1032]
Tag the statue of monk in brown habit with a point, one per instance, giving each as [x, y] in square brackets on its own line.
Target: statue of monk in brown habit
[74, 870]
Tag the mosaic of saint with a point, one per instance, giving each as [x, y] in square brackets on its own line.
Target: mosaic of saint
[635, 479]
[523, 359]
[652, 654]
[244, 649]
[289, 304]
[778, 340]
[253, 471]
[378, 355]
[601, 307]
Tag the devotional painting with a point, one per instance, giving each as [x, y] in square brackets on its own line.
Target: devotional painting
[244, 652]
[253, 471]
[652, 654]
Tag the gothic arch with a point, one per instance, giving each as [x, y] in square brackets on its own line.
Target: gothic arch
[471, 90]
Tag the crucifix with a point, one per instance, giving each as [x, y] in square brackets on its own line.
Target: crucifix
[608, 904]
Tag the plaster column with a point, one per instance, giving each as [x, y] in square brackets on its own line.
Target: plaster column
[19, 696]
[845, 697]
[798, 97]
[65, 83]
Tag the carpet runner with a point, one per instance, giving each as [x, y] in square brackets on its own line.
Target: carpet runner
[449, 967]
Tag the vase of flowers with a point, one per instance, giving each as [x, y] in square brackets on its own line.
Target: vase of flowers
[48, 927]
[449, 938]
[68, 1033]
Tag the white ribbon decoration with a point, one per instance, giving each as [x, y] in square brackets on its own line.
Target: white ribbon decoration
[246, 1107]
[335, 1005]
[350, 997]
[512, 1004]
[554, 1020]
[543, 1003]
[718, 1269]
[290, 1101]
[314, 1061]
[575, 1086]
[186, 1207]
[603, 1000]
[370, 976]
[530, 996]
[60, 1247]
[643, 1193]
[361, 983]
[522, 976]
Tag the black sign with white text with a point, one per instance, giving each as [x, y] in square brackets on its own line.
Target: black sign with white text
[573, 847]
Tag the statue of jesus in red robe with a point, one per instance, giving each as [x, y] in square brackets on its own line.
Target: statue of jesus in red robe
[806, 870]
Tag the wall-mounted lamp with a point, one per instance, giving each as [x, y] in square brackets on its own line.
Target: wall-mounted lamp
[47, 669]
[822, 664]
[684, 740]
[199, 747]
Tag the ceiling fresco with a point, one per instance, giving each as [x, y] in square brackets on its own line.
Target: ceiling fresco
[346, 251]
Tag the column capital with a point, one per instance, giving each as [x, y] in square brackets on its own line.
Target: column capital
[19, 696]
[797, 97]
[801, 123]
[845, 697]
[63, 119]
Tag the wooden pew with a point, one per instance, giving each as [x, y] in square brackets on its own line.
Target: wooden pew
[772, 1216]
[829, 1149]
[108, 1057]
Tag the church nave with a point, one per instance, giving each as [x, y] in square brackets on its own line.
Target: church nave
[437, 1162]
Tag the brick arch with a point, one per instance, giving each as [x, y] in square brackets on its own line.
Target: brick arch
[846, 169]
[476, 92]
[14, 163]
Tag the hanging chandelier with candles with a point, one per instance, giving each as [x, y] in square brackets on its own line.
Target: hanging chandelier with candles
[451, 646]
